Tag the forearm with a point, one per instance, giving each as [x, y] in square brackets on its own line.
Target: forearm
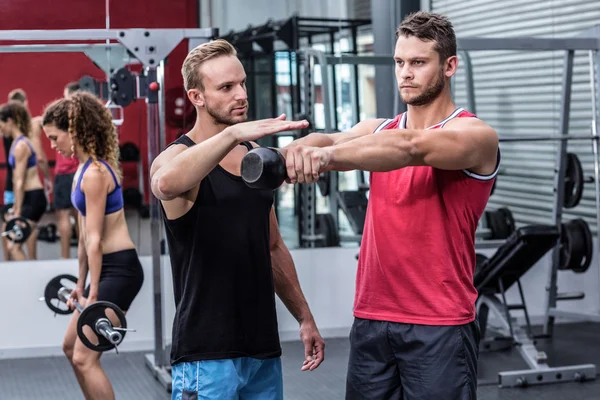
[43, 163]
[313, 140]
[287, 286]
[187, 169]
[94, 264]
[375, 153]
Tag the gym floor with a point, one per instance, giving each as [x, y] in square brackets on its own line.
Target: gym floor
[51, 378]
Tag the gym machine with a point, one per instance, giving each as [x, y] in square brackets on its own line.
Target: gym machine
[150, 47]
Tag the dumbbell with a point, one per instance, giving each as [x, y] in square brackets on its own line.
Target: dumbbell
[263, 168]
[17, 230]
[94, 315]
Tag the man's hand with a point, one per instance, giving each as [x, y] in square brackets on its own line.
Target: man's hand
[48, 186]
[254, 130]
[314, 346]
[304, 164]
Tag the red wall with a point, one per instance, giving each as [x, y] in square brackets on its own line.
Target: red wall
[43, 75]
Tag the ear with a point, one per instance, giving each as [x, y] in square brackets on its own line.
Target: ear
[450, 66]
[196, 97]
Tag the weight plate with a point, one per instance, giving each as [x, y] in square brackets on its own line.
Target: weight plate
[90, 315]
[51, 293]
[582, 246]
[17, 230]
[573, 181]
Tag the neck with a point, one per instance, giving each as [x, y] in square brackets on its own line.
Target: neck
[422, 117]
[81, 155]
[16, 133]
[205, 127]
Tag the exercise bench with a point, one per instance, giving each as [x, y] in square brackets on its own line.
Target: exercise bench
[493, 277]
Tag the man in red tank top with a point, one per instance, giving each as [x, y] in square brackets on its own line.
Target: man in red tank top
[415, 335]
[64, 171]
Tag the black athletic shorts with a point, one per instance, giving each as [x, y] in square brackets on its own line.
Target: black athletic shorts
[62, 191]
[34, 205]
[121, 278]
[412, 362]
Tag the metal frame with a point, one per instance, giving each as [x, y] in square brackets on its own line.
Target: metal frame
[150, 47]
[539, 371]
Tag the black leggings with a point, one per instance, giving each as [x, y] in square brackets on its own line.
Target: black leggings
[121, 278]
[34, 205]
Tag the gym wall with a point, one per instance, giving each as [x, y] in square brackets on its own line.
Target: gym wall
[227, 16]
[43, 75]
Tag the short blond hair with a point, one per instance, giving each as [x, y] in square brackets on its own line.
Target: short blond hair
[217, 48]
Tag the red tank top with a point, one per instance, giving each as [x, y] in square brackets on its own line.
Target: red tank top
[417, 255]
[65, 165]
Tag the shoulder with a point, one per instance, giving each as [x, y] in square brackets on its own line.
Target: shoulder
[95, 176]
[36, 124]
[22, 147]
[372, 124]
[167, 155]
[469, 124]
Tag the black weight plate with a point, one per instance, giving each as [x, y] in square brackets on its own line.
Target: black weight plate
[565, 247]
[573, 181]
[51, 294]
[18, 230]
[583, 246]
[123, 87]
[93, 313]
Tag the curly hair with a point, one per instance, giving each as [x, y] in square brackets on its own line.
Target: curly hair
[16, 111]
[89, 123]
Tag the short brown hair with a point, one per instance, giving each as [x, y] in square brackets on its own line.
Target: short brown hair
[17, 95]
[16, 111]
[191, 77]
[72, 87]
[430, 27]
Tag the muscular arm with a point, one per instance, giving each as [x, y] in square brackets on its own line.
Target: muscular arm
[287, 285]
[21, 153]
[81, 256]
[462, 144]
[176, 173]
[331, 139]
[95, 186]
[36, 142]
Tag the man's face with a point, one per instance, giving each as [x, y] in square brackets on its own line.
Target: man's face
[224, 96]
[420, 75]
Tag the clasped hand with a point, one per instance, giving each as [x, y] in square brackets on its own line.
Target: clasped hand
[305, 163]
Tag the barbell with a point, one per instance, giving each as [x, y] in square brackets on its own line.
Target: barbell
[93, 316]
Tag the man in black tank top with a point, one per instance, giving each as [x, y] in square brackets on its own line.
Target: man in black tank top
[227, 256]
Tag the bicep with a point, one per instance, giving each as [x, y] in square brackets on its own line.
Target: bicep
[21, 154]
[95, 189]
[463, 145]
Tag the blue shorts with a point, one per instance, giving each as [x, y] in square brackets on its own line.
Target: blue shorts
[9, 197]
[247, 378]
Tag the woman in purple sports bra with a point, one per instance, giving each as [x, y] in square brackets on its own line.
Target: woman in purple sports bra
[81, 126]
[30, 199]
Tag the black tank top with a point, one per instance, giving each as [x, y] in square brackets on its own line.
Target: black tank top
[222, 276]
